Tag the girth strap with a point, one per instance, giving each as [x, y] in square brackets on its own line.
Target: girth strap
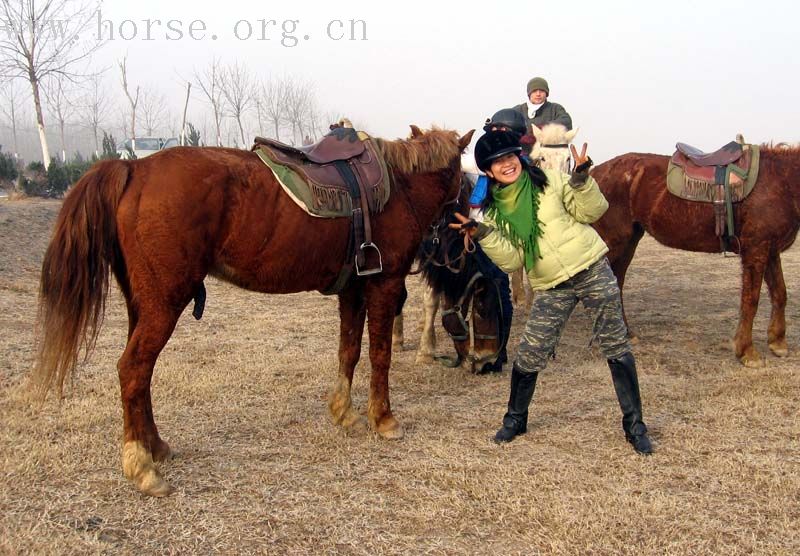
[361, 225]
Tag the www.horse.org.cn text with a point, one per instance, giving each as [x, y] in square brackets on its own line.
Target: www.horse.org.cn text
[286, 32]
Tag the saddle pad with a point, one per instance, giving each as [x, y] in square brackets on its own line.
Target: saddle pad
[698, 183]
[329, 198]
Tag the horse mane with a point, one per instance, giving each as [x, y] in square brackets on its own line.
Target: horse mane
[553, 134]
[781, 149]
[434, 150]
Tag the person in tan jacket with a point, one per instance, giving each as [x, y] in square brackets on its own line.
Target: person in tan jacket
[540, 219]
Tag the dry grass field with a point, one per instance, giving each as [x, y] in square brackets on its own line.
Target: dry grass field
[259, 469]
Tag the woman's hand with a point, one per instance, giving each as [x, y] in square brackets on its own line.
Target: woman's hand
[465, 225]
[468, 227]
[582, 161]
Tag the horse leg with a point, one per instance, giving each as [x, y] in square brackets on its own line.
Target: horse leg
[528, 292]
[351, 329]
[381, 296]
[776, 334]
[517, 287]
[427, 343]
[620, 265]
[753, 266]
[142, 446]
[397, 329]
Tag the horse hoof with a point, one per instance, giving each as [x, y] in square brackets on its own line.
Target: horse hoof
[154, 485]
[138, 466]
[397, 346]
[391, 429]
[352, 421]
[779, 349]
[423, 359]
[752, 361]
[487, 368]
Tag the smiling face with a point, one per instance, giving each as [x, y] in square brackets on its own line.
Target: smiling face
[538, 96]
[506, 169]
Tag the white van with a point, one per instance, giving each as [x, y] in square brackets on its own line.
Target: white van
[145, 146]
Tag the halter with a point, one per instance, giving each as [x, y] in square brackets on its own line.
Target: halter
[469, 246]
[539, 160]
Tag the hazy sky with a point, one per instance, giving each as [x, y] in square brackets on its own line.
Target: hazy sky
[635, 76]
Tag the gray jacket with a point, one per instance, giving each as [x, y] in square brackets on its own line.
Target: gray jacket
[548, 113]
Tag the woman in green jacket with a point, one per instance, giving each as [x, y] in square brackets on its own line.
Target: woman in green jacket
[540, 219]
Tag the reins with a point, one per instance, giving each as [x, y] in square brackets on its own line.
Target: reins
[430, 255]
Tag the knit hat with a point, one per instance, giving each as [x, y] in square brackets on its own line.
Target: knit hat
[538, 83]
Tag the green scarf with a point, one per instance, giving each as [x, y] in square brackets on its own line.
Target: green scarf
[514, 208]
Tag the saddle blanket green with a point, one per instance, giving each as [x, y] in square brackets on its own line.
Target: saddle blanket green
[316, 195]
[699, 183]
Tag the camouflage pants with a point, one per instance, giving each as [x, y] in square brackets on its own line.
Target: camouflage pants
[597, 288]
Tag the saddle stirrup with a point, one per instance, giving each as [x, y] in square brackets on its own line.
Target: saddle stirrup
[363, 256]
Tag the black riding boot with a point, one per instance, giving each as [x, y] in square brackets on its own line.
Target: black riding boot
[626, 383]
[515, 421]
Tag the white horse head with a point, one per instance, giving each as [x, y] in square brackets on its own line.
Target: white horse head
[551, 149]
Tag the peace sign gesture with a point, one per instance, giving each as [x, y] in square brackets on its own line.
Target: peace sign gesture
[583, 161]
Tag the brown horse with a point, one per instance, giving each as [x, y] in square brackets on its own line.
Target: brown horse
[766, 224]
[164, 223]
[458, 277]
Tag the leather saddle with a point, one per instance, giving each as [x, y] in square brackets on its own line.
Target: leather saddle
[723, 156]
[723, 177]
[340, 144]
[345, 176]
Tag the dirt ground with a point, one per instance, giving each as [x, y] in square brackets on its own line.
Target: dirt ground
[259, 468]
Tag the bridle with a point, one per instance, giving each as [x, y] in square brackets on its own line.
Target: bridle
[433, 236]
[453, 319]
[538, 160]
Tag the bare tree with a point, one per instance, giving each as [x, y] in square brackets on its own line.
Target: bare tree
[122, 122]
[94, 110]
[237, 88]
[185, 108]
[12, 98]
[57, 97]
[299, 95]
[133, 100]
[273, 102]
[209, 82]
[154, 110]
[43, 39]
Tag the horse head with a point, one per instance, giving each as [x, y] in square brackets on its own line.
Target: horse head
[455, 273]
[551, 149]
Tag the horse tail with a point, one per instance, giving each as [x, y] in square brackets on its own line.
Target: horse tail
[75, 273]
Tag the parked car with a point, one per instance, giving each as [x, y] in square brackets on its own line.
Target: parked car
[145, 146]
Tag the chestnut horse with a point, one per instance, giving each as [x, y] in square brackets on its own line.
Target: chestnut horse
[163, 223]
[766, 224]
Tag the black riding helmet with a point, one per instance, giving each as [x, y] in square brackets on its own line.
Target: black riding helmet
[507, 118]
[494, 144]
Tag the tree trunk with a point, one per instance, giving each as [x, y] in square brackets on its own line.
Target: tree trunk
[40, 120]
[185, 107]
[216, 123]
[63, 143]
[96, 143]
[241, 129]
[14, 131]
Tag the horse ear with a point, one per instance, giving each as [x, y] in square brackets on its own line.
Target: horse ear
[416, 132]
[464, 141]
[537, 132]
[570, 135]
